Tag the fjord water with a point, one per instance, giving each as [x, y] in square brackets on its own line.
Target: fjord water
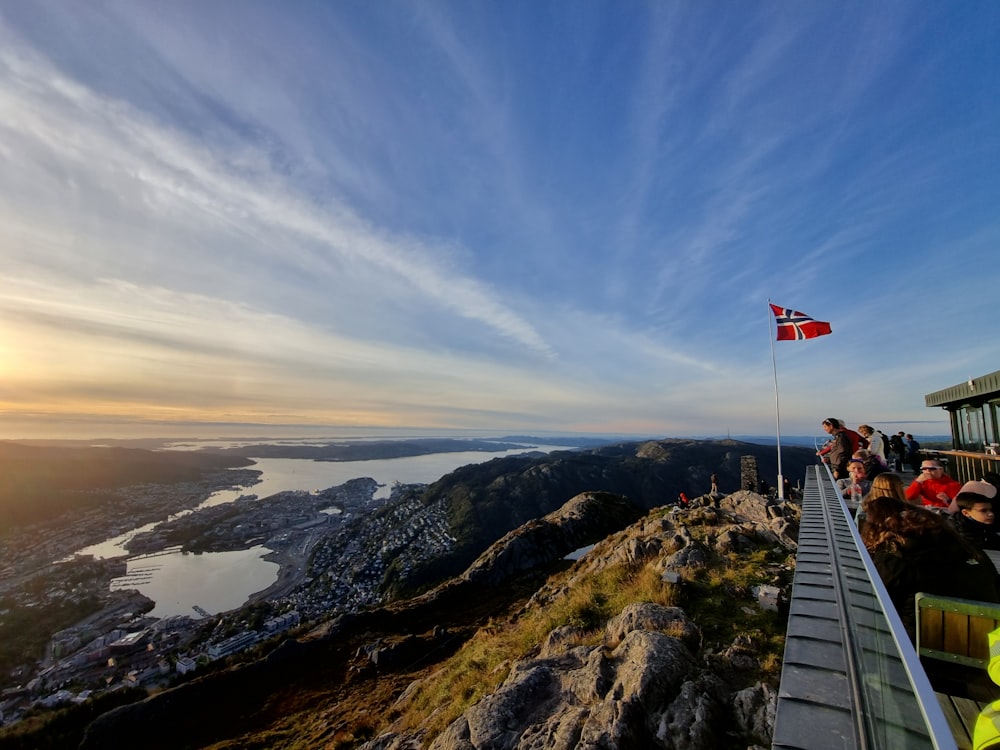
[282, 474]
[219, 581]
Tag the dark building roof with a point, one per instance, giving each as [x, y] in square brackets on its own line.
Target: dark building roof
[973, 391]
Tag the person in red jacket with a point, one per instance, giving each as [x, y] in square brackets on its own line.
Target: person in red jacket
[857, 441]
[933, 488]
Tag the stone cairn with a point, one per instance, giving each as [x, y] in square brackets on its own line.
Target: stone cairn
[748, 473]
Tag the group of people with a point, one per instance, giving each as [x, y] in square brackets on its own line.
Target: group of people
[916, 549]
[920, 542]
[929, 535]
[891, 451]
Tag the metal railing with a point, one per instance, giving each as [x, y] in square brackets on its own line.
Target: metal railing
[850, 671]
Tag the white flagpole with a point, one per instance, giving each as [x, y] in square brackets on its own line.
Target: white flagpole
[777, 414]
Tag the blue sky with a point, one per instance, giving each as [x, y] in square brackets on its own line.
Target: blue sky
[517, 216]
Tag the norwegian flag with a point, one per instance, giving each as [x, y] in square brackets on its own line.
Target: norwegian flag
[794, 326]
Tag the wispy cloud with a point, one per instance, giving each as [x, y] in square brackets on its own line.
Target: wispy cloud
[456, 213]
[149, 172]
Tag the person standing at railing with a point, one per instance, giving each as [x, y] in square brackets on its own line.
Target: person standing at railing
[838, 450]
[856, 439]
[875, 444]
[933, 488]
[913, 453]
[897, 444]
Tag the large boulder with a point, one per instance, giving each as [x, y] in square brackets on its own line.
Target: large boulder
[589, 697]
[777, 519]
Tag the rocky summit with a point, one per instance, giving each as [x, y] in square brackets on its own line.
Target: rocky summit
[648, 677]
[668, 633]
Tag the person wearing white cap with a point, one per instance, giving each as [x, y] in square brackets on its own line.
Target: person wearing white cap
[975, 518]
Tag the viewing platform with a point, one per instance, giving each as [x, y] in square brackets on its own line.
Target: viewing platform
[851, 678]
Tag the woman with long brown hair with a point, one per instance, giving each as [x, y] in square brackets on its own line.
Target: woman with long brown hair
[917, 550]
[887, 485]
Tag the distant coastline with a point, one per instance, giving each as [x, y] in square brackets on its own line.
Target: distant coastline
[360, 448]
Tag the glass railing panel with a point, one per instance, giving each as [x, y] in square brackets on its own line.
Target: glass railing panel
[898, 706]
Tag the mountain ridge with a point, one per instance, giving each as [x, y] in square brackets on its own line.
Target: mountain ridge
[489, 499]
[331, 664]
[326, 687]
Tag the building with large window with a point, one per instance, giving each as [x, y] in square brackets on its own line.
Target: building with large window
[972, 408]
[974, 414]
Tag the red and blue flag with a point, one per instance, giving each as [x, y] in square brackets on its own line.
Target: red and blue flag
[795, 326]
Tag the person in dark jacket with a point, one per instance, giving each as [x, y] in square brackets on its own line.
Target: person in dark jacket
[839, 451]
[898, 447]
[975, 520]
[913, 453]
[916, 550]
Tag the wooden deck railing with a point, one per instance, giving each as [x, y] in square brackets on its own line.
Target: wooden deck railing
[966, 465]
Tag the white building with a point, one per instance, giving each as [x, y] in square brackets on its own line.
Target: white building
[185, 664]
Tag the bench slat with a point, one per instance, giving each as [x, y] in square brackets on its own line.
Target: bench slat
[979, 631]
[956, 634]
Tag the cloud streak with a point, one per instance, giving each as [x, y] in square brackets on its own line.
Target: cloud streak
[478, 216]
[172, 177]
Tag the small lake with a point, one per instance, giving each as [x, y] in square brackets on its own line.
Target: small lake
[220, 581]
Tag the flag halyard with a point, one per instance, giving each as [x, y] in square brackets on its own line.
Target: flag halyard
[795, 326]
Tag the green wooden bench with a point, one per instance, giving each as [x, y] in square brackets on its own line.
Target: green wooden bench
[955, 630]
[952, 642]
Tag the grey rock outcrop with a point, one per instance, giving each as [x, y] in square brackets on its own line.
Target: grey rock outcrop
[644, 691]
[647, 683]
[778, 518]
[583, 520]
[588, 698]
[754, 708]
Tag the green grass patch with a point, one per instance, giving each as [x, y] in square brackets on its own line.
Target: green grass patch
[718, 597]
[483, 663]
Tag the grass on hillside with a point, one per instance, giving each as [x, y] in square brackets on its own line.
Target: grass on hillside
[711, 598]
[720, 601]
